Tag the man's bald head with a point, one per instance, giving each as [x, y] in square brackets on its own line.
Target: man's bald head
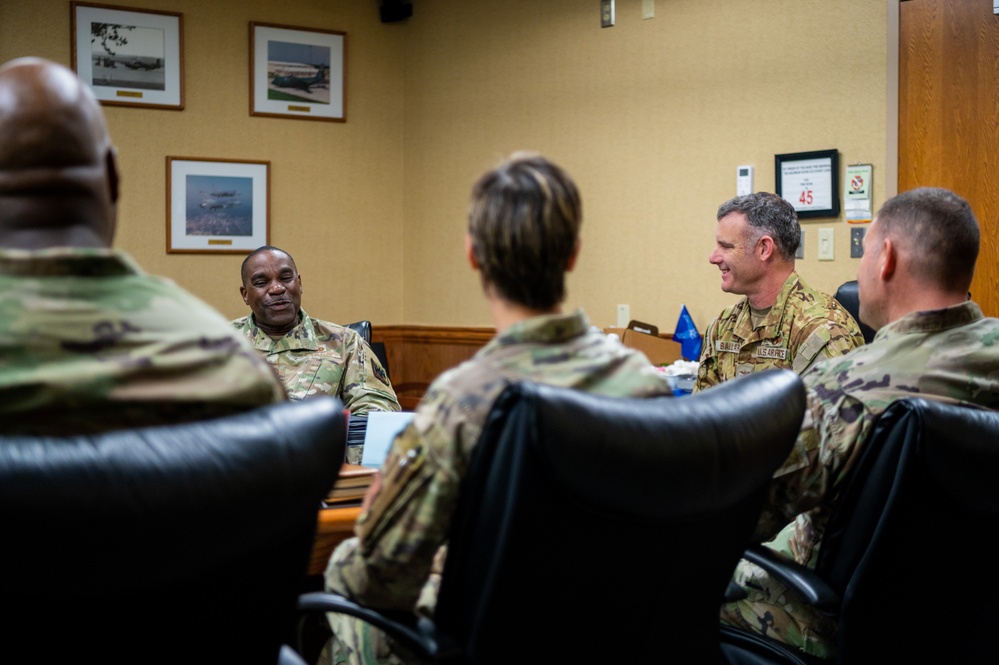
[58, 180]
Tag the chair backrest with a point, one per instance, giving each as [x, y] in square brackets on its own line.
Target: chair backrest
[848, 296]
[906, 546]
[589, 525]
[362, 328]
[182, 543]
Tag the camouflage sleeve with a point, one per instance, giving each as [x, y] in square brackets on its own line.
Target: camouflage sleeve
[707, 369]
[823, 453]
[366, 386]
[825, 338]
[387, 562]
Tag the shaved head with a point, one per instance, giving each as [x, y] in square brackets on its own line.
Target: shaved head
[58, 179]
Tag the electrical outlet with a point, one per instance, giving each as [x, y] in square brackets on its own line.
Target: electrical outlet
[623, 316]
[826, 244]
[857, 242]
[648, 9]
[606, 13]
[800, 252]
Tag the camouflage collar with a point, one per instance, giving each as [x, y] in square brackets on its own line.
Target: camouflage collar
[933, 320]
[67, 262]
[774, 320]
[546, 329]
[300, 338]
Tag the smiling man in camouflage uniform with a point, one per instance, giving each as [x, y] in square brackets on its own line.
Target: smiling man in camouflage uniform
[312, 357]
[89, 342]
[932, 341]
[523, 236]
[781, 323]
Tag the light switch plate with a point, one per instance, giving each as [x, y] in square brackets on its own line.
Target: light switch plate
[857, 242]
[826, 244]
[800, 252]
[606, 13]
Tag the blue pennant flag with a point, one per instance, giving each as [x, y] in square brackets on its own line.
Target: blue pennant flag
[686, 333]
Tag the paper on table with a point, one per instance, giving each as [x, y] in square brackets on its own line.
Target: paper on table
[381, 431]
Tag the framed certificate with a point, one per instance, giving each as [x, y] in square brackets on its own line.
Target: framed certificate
[809, 181]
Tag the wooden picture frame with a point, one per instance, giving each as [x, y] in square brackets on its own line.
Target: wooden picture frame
[219, 206]
[298, 72]
[129, 57]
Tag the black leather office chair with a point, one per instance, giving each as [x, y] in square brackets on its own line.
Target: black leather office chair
[904, 563]
[848, 296]
[362, 328]
[174, 544]
[591, 526]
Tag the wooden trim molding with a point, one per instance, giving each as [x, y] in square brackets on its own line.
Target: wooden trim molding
[419, 354]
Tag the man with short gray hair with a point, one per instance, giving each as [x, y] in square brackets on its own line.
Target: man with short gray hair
[781, 323]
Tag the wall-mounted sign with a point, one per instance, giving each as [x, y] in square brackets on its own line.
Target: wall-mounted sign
[809, 181]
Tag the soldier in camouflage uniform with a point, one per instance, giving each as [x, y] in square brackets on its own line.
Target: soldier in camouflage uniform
[89, 342]
[932, 341]
[312, 357]
[781, 323]
[522, 238]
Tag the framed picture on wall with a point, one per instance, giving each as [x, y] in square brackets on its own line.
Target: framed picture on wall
[219, 206]
[297, 72]
[809, 181]
[129, 57]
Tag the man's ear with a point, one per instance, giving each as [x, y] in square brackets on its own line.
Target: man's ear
[299, 278]
[113, 179]
[242, 292]
[470, 253]
[575, 254]
[889, 259]
[765, 248]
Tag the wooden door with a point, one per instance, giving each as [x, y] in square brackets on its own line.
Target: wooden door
[948, 115]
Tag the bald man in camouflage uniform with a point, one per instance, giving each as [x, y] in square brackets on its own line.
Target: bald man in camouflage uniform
[311, 356]
[781, 323]
[932, 341]
[89, 342]
[522, 238]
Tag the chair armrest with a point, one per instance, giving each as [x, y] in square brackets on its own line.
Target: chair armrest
[804, 581]
[415, 633]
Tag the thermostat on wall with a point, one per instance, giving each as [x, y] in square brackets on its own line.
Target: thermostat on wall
[744, 180]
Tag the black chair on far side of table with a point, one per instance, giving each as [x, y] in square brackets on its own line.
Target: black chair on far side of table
[590, 525]
[185, 543]
[363, 328]
[848, 296]
[904, 564]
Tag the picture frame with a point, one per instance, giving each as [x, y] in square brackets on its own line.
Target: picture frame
[298, 72]
[218, 206]
[809, 181]
[129, 57]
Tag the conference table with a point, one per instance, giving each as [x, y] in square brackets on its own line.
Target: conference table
[334, 525]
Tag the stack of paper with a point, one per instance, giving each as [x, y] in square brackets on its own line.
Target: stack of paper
[351, 484]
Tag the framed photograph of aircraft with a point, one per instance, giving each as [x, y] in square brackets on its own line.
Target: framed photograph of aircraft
[129, 57]
[219, 206]
[298, 72]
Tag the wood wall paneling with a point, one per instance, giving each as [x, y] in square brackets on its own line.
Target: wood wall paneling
[949, 116]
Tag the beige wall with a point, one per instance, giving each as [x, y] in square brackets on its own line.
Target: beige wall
[336, 197]
[650, 116]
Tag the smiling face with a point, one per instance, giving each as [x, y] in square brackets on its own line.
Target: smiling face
[273, 289]
[735, 255]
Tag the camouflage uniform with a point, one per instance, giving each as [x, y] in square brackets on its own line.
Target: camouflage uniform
[321, 358]
[803, 327]
[951, 355]
[89, 342]
[388, 563]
